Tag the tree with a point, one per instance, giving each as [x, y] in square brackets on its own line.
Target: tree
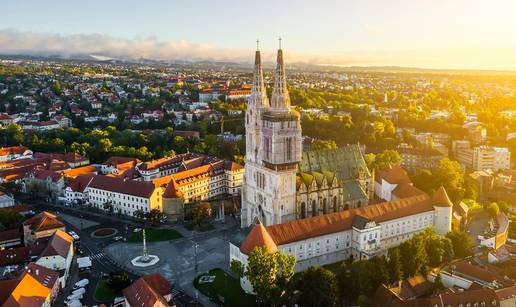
[270, 274]
[450, 175]
[10, 219]
[118, 281]
[493, 210]
[395, 270]
[237, 268]
[155, 216]
[424, 180]
[413, 257]
[385, 158]
[461, 242]
[324, 144]
[318, 287]
[201, 212]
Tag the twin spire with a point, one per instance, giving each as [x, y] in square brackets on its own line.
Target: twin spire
[280, 100]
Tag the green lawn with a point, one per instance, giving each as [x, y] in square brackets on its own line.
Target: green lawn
[203, 227]
[104, 293]
[227, 287]
[154, 235]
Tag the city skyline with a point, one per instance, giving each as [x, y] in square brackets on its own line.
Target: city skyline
[428, 34]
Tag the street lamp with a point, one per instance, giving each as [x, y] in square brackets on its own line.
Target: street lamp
[195, 256]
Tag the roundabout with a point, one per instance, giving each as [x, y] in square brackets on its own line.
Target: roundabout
[102, 233]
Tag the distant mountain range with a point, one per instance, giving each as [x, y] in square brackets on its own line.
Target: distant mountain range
[247, 65]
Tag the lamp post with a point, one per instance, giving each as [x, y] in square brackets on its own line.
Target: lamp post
[195, 257]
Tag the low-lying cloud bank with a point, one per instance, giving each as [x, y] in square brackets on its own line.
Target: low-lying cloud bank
[35, 43]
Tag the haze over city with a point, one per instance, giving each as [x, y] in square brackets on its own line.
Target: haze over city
[456, 34]
[258, 153]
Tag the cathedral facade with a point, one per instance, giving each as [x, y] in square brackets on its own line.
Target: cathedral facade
[281, 182]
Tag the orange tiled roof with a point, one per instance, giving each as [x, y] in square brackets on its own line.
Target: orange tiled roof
[340, 221]
[89, 169]
[394, 175]
[441, 198]
[18, 150]
[405, 190]
[148, 291]
[59, 244]
[43, 221]
[258, 236]
[33, 288]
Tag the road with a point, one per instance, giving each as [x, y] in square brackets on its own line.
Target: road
[102, 264]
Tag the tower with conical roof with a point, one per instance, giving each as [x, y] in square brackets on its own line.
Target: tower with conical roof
[443, 211]
[269, 188]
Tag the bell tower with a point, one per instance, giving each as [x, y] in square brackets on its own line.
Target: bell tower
[269, 190]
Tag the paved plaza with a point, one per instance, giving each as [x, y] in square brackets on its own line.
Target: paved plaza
[177, 258]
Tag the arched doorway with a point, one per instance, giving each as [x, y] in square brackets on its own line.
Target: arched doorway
[314, 208]
[335, 206]
[303, 210]
[346, 207]
[325, 205]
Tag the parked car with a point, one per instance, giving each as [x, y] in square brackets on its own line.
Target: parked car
[118, 238]
[81, 283]
[137, 230]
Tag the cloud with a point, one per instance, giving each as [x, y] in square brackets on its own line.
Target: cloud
[35, 43]
[18, 42]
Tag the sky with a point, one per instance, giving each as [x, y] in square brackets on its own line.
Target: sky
[454, 34]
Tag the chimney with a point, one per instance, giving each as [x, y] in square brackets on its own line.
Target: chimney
[37, 271]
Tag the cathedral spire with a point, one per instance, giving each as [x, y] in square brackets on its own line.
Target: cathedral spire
[280, 98]
[258, 93]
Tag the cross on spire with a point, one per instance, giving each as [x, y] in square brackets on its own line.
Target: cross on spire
[279, 39]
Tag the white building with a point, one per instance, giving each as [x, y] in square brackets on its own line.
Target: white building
[360, 232]
[484, 158]
[58, 255]
[123, 195]
[6, 200]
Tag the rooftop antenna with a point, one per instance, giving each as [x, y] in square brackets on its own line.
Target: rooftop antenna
[257, 44]
[279, 39]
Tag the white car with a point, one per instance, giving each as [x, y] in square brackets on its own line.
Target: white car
[81, 283]
[137, 230]
[118, 238]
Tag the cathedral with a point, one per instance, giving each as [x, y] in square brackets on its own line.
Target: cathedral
[281, 182]
[314, 205]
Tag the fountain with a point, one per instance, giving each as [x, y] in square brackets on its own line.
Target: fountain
[145, 259]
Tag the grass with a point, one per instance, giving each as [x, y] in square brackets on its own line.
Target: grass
[155, 235]
[226, 287]
[104, 293]
[202, 227]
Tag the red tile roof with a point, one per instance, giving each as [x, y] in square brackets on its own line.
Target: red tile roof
[441, 198]
[148, 291]
[59, 245]
[258, 236]
[8, 235]
[123, 186]
[340, 221]
[79, 183]
[13, 150]
[394, 175]
[32, 288]
[43, 221]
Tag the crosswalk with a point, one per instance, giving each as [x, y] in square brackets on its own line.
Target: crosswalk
[97, 256]
[177, 293]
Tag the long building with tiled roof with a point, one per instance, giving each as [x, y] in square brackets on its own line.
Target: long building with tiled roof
[360, 233]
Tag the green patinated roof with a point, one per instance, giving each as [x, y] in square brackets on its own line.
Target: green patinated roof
[353, 190]
[345, 162]
[318, 178]
[307, 179]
